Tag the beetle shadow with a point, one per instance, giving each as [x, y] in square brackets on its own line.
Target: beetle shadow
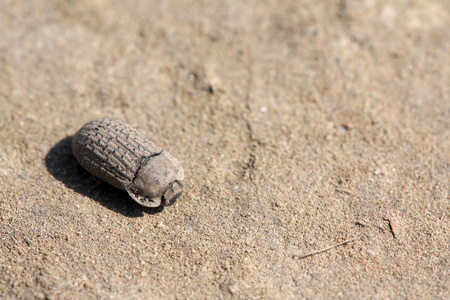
[61, 163]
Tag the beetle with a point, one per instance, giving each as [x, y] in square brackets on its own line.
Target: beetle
[124, 157]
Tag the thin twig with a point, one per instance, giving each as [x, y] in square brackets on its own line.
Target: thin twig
[346, 190]
[364, 223]
[393, 226]
[325, 249]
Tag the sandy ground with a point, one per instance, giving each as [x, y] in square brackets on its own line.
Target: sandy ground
[301, 125]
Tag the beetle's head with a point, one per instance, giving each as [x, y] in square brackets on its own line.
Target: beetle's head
[158, 181]
[172, 193]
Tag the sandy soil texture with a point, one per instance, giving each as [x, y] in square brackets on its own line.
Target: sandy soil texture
[315, 136]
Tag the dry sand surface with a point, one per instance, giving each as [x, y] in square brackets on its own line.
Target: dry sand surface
[301, 125]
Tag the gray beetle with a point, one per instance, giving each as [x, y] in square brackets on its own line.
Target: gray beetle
[124, 157]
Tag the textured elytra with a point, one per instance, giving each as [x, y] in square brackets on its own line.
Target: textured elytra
[124, 157]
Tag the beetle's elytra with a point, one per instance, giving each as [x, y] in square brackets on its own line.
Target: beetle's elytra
[124, 157]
